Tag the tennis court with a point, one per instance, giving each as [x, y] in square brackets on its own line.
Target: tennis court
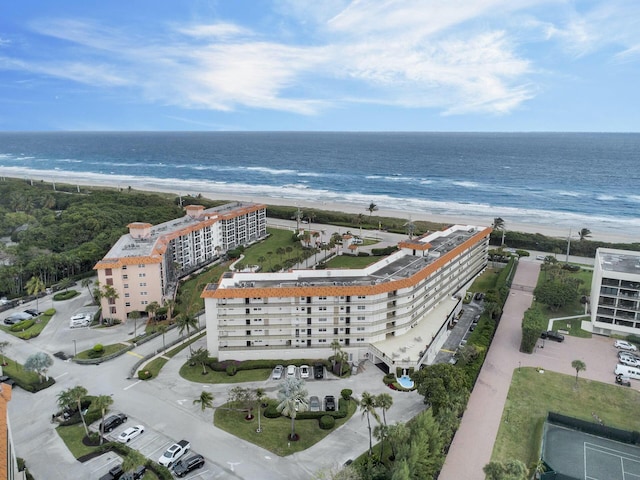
[581, 455]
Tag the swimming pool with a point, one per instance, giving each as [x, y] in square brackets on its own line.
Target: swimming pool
[405, 381]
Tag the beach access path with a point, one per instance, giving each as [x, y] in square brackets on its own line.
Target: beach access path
[473, 443]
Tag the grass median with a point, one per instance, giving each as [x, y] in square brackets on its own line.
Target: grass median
[193, 373]
[273, 436]
[532, 395]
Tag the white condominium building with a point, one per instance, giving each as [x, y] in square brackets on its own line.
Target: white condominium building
[615, 293]
[397, 311]
[143, 265]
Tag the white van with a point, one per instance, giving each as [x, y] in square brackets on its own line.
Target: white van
[625, 371]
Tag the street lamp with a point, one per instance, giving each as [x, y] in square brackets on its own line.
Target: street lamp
[75, 350]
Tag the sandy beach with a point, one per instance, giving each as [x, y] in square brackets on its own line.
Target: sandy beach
[549, 228]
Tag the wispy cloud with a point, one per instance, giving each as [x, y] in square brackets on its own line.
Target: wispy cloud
[458, 56]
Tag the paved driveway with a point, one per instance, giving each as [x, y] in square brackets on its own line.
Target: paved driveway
[473, 443]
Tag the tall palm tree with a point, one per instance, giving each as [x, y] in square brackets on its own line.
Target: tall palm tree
[372, 208]
[135, 316]
[384, 401]
[368, 408]
[260, 395]
[579, 366]
[498, 224]
[293, 398]
[186, 322]
[102, 403]
[34, 287]
[584, 233]
[77, 394]
[171, 305]
[163, 329]
[381, 432]
[205, 400]
[86, 283]
[152, 309]
[335, 346]
[201, 356]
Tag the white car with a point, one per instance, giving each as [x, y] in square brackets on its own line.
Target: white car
[277, 372]
[291, 371]
[80, 320]
[173, 453]
[304, 371]
[624, 345]
[130, 433]
[629, 361]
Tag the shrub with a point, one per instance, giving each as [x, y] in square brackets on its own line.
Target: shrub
[98, 348]
[144, 374]
[50, 312]
[231, 370]
[271, 411]
[327, 422]
[571, 268]
[523, 253]
[65, 295]
[389, 378]
[533, 324]
[23, 325]
[346, 393]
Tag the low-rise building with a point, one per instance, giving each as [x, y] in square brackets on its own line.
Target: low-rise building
[397, 311]
[143, 265]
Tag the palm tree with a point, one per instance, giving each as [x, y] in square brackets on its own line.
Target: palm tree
[102, 403]
[584, 233]
[579, 366]
[205, 400]
[498, 224]
[201, 356]
[397, 434]
[359, 220]
[260, 394]
[77, 394]
[411, 228]
[368, 408]
[34, 287]
[381, 432]
[293, 398]
[372, 208]
[171, 305]
[86, 283]
[135, 316]
[152, 309]
[163, 329]
[335, 346]
[384, 401]
[186, 322]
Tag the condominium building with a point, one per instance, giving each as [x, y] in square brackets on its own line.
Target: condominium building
[615, 293]
[8, 461]
[143, 266]
[397, 311]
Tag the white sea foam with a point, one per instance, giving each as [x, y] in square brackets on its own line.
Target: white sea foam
[272, 171]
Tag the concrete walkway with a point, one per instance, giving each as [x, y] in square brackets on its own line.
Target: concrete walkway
[473, 443]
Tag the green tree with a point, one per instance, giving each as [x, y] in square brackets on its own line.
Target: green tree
[578, 366]
[372, 208]
[584, 233]
[509, 470]
[205, 400]
[86, 283]
[35, 286]
[442, 385]
[201, 356]
[556, 293]
[397, 435]
[152, 310]
[102, 403]
[163, 329]
[39, 362]
[65, 283]
[186, 322]
[368, 409]
[293, 398]
[384, 401]
[76, 395]
[135, 316]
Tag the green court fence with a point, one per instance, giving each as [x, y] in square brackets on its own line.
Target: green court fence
[600, 430]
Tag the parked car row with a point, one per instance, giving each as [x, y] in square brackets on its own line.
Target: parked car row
[303, 371]
[628, 366]
[18, 317]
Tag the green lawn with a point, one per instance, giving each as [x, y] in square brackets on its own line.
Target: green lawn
[72, 437]
[267, 249]
[189, 292]
[347, 261]
[275, 430]
[194, 374]
[532, 395]
[486, 281]
[16, 371]
[574, 326]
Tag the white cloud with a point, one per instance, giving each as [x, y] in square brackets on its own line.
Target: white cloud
[458, 56]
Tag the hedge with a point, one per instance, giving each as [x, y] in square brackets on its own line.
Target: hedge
[533, 324]
[23, 325]
[65, 295]
[216, 366]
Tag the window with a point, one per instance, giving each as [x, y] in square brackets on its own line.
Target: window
[359, 339]
[361, 307]
[322, 340]
[125, 277]
[361, 297]
[322, 298]
[361, 318]
[141, 275]
[108, 272]
[322, 319]
[322, 330]
[109, 281]
[144, 302]
[141, 265]
[322, 309]
[126, 285]
[360, 329]
[144, 294]
[124, 267]
[126, 295]
[127, 304]
[113, 310]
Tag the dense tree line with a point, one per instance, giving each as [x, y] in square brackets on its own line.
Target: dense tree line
[63, 232]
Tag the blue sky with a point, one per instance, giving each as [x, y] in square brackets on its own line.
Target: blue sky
[330, 65]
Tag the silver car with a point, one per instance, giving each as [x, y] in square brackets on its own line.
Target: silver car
[277, 372]
[314, 404]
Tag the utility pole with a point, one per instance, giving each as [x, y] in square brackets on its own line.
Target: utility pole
[568, 245]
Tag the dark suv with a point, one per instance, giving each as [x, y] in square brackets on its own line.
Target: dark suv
[551, 335]
[112, 422]
[329, 403]
[114, 474]
[135, 474]
[318, 371]
[184, 466]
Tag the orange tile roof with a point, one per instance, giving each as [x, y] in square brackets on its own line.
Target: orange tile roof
[340, 290]
[119, 262]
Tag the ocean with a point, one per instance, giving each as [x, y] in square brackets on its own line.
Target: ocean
[570, 180]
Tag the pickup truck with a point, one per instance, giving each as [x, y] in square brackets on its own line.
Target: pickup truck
[114, 474]
[174, 452]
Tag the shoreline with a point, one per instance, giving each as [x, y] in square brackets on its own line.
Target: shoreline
[548, 229]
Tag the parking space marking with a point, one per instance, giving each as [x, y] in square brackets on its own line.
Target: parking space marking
[132, 385]
[61, 375]
[135, 354]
